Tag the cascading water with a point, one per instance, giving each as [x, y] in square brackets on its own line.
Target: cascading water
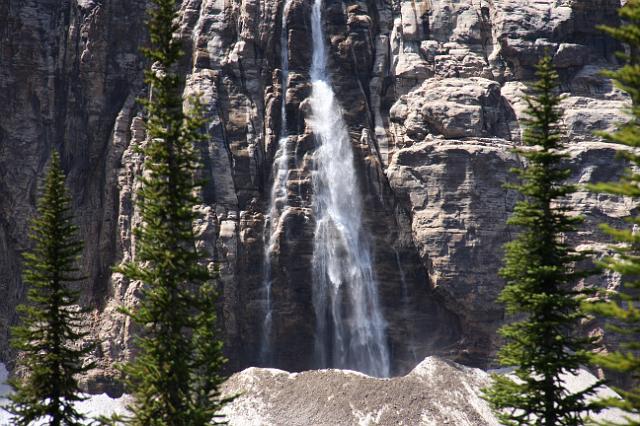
[350, 328]
[278, 196]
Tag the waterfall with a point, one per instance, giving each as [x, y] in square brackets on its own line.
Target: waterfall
[350, 328]
[278, 199]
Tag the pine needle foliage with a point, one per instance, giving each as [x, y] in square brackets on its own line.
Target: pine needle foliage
[540, 277]
[175, 377]
[49, 334]
[623, 308]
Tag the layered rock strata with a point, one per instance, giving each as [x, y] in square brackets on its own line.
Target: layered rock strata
[432, 94]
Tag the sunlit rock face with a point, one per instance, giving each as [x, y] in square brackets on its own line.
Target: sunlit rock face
[431, 95]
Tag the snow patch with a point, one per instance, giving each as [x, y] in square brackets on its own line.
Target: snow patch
[4, 374]
[579, 381]
[95, 405]
[370, 418]
[582, 380]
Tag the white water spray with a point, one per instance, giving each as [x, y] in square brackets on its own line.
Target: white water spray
[278, 197]
[350, 328]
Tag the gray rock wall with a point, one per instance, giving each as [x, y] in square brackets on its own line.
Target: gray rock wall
[432, 95]
[69, 73]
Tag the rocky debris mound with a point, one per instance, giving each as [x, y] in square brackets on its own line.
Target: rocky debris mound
[436, 392]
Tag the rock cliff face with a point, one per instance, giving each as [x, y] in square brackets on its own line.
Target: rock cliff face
[431, 93]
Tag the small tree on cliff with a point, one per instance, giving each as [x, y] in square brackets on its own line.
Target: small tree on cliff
[540, 279]
[50, 331]
[175, 377]
[624, 307]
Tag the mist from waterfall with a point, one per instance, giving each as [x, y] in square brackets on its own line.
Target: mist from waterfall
[278, 200]
[350, 328]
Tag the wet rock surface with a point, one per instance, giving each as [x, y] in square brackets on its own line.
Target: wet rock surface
[431, 93]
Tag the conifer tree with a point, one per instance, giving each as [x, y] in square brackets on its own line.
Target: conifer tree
[175, 377]
[540, 279]
[50, 331]
[623, 307]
